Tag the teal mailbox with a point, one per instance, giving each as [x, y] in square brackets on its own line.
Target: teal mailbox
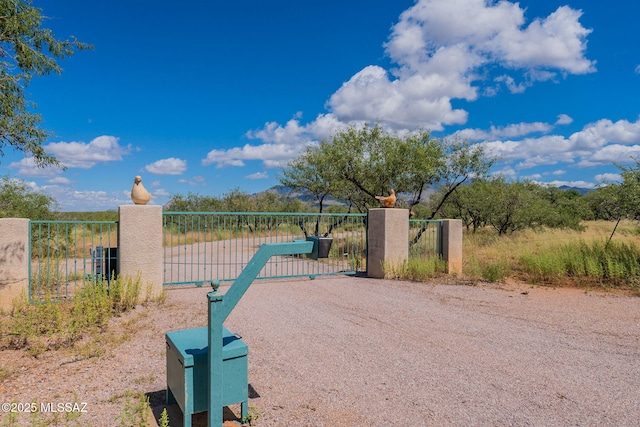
[207, 367]
[188, 373]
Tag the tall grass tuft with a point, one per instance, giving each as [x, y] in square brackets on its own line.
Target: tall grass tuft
[51, 324]
[557, 257]
[416, 269]
[616, 264]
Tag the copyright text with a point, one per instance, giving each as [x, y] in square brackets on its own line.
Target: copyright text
[21, 407]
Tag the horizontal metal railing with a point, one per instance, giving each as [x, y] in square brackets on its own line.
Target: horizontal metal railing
[204, 247]
[65, 254]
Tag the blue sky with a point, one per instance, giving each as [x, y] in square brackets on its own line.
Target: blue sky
[207, 96]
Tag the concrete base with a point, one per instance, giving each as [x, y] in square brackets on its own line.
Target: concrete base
[387, 239]
[14, 260]
[452, 245]
[140, 246]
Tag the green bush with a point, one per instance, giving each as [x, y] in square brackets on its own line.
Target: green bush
[495, 271]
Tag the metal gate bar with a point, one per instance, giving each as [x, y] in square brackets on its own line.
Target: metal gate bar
[425, 238]
[215, 246]
[64, 254]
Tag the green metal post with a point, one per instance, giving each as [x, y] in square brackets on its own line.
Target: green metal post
[220, 305]
[216, 377]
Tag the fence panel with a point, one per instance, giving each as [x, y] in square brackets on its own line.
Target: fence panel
[215, 246]
[425, 238]
[66, 254]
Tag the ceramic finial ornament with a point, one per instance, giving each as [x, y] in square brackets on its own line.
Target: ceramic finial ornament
[388, 201]
[139, 194]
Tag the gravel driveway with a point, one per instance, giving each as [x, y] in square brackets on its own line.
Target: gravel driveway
[365, 352]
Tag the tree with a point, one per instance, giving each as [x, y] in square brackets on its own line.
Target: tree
[615, 202]
[310, 173]
[568, 208]
[470, 203]
[26, 50]
[359, 163]
[17, 200]
[464, 161]
[512, 206]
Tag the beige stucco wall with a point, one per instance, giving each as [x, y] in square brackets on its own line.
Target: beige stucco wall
[14, 259]
[388, 239]
[140, 245]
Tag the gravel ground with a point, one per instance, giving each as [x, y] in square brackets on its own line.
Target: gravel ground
[365, 352]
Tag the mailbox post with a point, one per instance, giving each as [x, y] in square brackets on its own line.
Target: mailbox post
[226, 381]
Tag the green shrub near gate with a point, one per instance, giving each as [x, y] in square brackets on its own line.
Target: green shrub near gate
[51, 325]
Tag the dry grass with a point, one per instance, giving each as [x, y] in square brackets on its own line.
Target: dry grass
[492, 258]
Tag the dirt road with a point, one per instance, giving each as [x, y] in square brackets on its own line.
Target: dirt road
[364, 352]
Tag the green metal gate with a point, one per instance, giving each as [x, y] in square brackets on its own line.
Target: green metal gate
[64, 255]
[215, 246]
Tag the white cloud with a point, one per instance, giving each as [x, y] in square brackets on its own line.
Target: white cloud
[637, 70]
[272, 155]
[194, 181]
[442, 50]
[84, 156]
[60, 180]
[601, 143]
[531, 152]
[293, 133]
[454, 39]
[161, 192]
[512, 85]
[615, 153]
[557, 41]
[506, 171]
[607, 178]
[73, 200]
[28, 167]
[170, 166]
[564, 119]
[258, 175]
[509, 131]
[417, 100]
[598, 134]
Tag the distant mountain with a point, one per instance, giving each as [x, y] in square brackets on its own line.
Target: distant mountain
[300, 195]
[580, 190]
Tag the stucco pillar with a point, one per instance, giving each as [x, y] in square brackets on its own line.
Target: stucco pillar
[452, 245]
[387, 239]
[14, 259]
[140, 245]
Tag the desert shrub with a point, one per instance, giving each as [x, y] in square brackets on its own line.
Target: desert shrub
[49, 325]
